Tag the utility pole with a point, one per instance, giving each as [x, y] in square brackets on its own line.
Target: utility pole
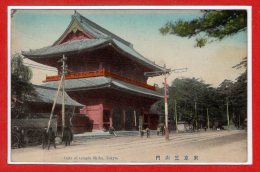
[208, 117]
[54, 103]
[166, 107]
[165, 73]
[227, 114]
[176, 115]
[64, 71]
[61, 85]
[196, 116]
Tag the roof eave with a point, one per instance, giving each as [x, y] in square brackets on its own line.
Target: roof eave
[39, 56]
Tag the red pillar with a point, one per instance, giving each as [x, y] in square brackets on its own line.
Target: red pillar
[110, 119]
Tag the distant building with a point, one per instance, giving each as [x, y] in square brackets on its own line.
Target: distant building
[105, 74]
[183, 126]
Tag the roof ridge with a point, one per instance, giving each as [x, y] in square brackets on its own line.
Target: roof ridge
[101, 29]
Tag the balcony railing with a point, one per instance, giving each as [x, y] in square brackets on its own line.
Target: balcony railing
[98, 73]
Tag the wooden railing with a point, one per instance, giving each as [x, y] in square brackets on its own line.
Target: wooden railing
[100, 73]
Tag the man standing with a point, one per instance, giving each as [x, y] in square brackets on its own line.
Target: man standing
[44, 138]
[51, 138]
[67, 136]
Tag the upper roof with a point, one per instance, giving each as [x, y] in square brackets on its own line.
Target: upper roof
[44, 94]
[104, 82]
[90, 28]
[98, 38]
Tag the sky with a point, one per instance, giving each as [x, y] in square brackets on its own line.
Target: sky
[32, 29]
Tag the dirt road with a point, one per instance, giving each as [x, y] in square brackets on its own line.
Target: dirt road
[199, 147]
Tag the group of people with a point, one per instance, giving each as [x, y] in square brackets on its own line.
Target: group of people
[48, 137]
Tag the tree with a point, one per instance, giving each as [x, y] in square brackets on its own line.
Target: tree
[20, 85]
[235, 94]
[225, 90]
[197, 101]
[212, 26]
[193, 98]
[239, 95]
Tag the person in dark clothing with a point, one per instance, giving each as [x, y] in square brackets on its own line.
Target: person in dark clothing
[67, 136]
[51, 138]
[158, 130]
[44, 138]
[142, 133]
[147, 132]
[22, 143]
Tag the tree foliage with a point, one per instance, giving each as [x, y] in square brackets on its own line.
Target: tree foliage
[194, 98]
[213, 25]
[20, 85]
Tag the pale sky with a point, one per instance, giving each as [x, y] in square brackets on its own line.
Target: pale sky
[31, 29]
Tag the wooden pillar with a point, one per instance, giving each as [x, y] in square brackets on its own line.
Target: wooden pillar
[143, 118]
[135, 118]
[123, 113]
[110, 119]
[149, 120]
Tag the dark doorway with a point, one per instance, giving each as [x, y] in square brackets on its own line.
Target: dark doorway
[106, 115]
[116, 116]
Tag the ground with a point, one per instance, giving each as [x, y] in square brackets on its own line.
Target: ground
[198, 147]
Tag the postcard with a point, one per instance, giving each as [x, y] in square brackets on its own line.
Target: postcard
[129, 85]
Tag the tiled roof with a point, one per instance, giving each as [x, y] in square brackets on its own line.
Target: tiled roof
[68, 47]
[43, 94]
[89, 44]
[104, 82]
[96, 30]
[39, 123]
[102, 37]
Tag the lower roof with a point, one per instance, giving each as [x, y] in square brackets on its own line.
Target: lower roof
[43, 94]
[104, 82]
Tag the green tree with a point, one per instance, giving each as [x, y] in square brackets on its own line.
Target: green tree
[193, 98]
[239, 95]
[212, 26]
[225, 90]
[239, 100]
[20, 85]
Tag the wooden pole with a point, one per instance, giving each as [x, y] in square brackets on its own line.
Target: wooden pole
[73, 111]
[54, 103]
[135, 117]
[208, 116]
[227, 114]
[176, 116]
[63, 94]
[166, 108]
[196, 117]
